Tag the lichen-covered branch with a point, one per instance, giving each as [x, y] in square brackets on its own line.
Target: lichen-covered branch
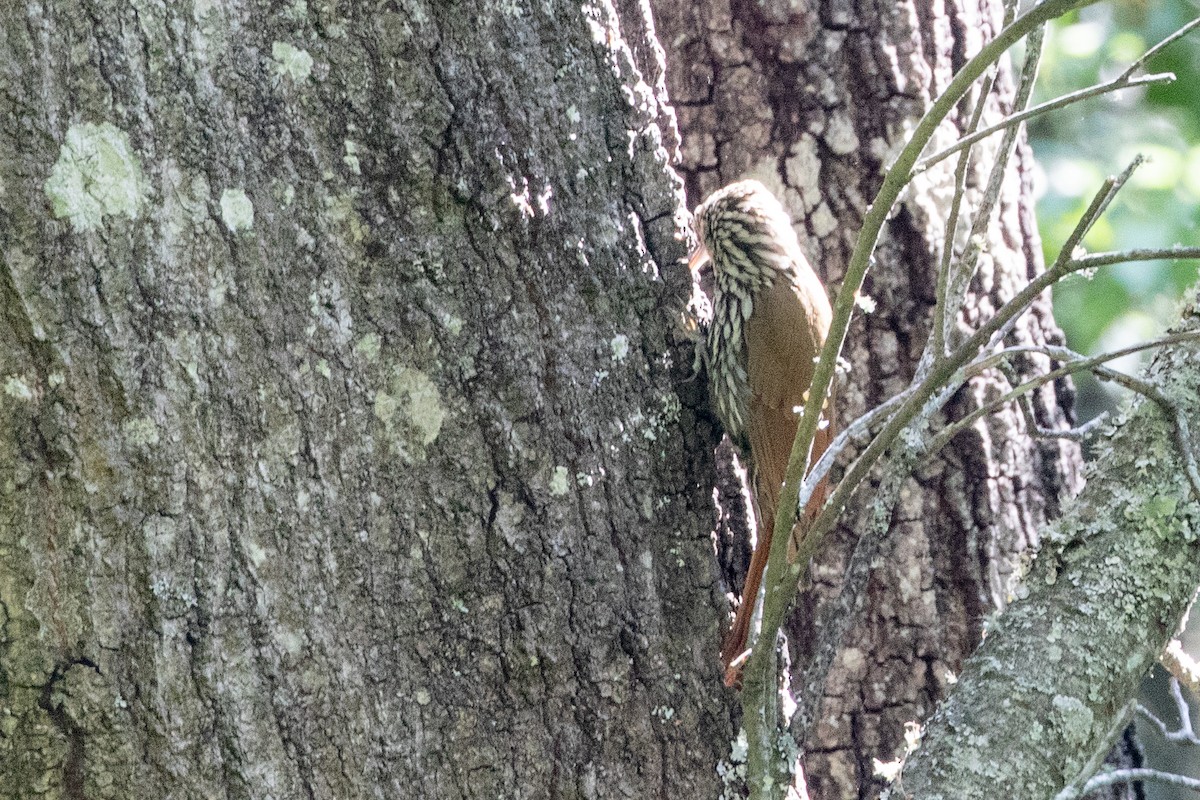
[1104, 597]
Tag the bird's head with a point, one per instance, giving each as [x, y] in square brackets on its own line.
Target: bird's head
[745, 232]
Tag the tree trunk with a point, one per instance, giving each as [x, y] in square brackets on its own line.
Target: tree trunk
[348, 445]
[811, 99]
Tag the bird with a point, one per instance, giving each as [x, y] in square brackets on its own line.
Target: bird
[771, 315]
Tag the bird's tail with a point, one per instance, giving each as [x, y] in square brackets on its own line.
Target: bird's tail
[766, 495]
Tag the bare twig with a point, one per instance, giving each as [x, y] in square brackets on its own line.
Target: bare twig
[1123, 81]
[1077, 434]
[1100, 202]
[942, 312]
[1065, 354]
[1184, 669]
[1183, 438]
[1093, 260]
[856, 430]
[942, 373]
[1074, 362]
[1043, 108]
[1185, 711]
[944, 307]
[1153, 51]
[1129, 775]
[1064, 264]
[960, 277]
[1184, 734]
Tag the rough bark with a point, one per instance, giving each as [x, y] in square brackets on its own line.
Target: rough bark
[1115, 576]
[811, 98]
[347, 446]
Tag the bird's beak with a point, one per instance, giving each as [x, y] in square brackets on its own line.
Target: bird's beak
[699, 256]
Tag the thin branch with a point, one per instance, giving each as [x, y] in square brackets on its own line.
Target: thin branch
[1043, 108]
[1180, 736]
[1181, 705]
[1183, 438]
[1108, 190]
[1184, 734]
[1080, 433]
[1093, 260]
[1065, 263]
[780, 582]
[1073, 362]
[916, 408]
[1115, 776]
[1123, 81]
[941, 323]
[1064, 354]
[857, 429]
[969, 262]
[1153, 51]
[936, 347]
[1077, 434]
[1184, 669]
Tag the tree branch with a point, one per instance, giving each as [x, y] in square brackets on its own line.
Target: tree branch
[1115, 776]
[960, 277]
[1093, 260]
[1184, 734]
[1043, 108]
[1184, 670]
[1115, 574]
[937, 343]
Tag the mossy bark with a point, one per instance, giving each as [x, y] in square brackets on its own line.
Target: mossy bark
[347, 442]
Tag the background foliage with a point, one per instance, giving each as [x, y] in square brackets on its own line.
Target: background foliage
[1079, 146]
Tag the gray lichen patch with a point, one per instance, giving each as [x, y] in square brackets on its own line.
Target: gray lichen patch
[291, 61]
[1075, 718]
[411, 411]
[368, 346]
[16, 386]
[350, 159]
[237, 212]
[619, 345]
[97, 174]
[141, 432]
[559, 484]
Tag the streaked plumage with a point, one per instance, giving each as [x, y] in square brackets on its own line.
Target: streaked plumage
[770, 319]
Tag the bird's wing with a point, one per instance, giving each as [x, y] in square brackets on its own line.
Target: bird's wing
[783, 337]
